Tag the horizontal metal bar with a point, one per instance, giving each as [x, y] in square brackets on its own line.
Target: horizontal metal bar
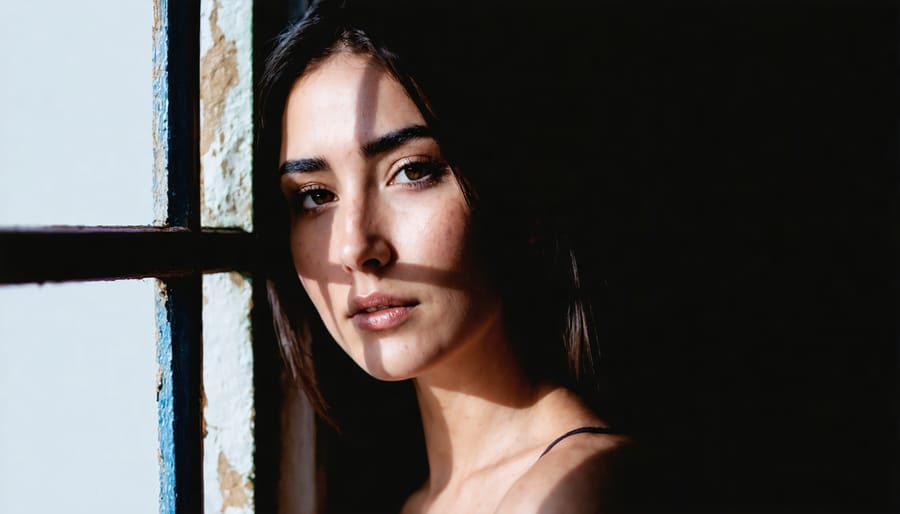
[56, 254]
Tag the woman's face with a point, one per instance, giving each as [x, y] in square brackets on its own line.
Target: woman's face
[381, 233]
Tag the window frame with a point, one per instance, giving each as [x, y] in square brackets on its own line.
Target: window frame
[178, 252]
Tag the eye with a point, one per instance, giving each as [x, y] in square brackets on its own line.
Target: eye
[420, 172]
[312, 198]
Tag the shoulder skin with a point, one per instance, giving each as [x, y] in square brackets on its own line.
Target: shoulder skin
[582, 474]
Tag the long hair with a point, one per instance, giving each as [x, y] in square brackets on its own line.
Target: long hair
[490, 92]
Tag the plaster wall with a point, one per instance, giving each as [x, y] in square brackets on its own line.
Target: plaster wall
[226, 135]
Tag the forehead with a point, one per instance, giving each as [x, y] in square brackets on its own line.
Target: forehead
[345, 99]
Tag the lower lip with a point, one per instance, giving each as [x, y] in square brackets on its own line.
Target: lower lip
[384, 319]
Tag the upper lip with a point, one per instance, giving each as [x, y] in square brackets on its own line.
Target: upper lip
[361, 303]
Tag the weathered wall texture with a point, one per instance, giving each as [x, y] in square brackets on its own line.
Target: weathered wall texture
[160, 115]
[228, 394]
[226, 113]
[226, 134]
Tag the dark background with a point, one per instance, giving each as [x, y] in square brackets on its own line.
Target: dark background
[737, 221]
[746, 247]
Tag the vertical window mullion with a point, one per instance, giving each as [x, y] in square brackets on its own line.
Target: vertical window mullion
[176, 182]
[176, 92]
[180, 362]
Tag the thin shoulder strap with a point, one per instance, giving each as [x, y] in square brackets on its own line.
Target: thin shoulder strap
[592, 430]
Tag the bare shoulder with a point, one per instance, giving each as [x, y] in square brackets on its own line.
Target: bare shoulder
[415, 503]
[582, 474]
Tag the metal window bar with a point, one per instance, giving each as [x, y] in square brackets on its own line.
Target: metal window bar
[176, 97]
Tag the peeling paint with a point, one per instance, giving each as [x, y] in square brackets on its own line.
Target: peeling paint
[238, 280]
[231, 485]
[164, 403]
[226, 121]
[218, 74]
[228, 412]
[159, 377]
[203, 403]
[157, 15]
[160, 113]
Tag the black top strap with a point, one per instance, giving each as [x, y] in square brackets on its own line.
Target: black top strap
[592, 430]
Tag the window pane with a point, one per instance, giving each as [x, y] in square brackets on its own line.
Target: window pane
[76, 142]
[78, 397]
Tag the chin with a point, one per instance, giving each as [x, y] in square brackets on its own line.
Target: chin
[387, 372]
[392, 360]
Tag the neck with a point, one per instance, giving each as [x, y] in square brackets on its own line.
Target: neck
[476, 408]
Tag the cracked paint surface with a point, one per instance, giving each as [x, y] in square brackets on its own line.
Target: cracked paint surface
[165, 405]
[232, 485]
[226, 114]
[160, 113]
[226, 134]
[228, 394]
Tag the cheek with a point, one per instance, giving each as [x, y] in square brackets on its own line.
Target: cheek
[317, 274]
[448, 239]
[434, 232]
[309, 251]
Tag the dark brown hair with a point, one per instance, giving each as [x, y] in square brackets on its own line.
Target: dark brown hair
[490, 95]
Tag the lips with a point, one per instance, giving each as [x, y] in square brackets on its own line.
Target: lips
[377, 311]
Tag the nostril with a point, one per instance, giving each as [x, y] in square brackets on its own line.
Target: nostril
[372, 263]
[366, 249]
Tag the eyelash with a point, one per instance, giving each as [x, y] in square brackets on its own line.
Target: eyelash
[434, 171]
[306, 191]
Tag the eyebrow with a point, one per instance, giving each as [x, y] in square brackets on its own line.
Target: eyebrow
[303, 166]
[395, 139]
[380, 145]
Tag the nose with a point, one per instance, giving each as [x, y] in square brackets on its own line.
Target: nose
[364, 245]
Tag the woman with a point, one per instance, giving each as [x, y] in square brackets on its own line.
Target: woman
[412, 144]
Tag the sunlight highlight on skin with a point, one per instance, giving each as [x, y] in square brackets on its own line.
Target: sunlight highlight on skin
[379, 220]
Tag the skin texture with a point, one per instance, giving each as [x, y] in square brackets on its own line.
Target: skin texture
[368, 223]
[380, 233]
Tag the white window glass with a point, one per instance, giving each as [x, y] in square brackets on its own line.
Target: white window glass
[76, 141]
[78, 398]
